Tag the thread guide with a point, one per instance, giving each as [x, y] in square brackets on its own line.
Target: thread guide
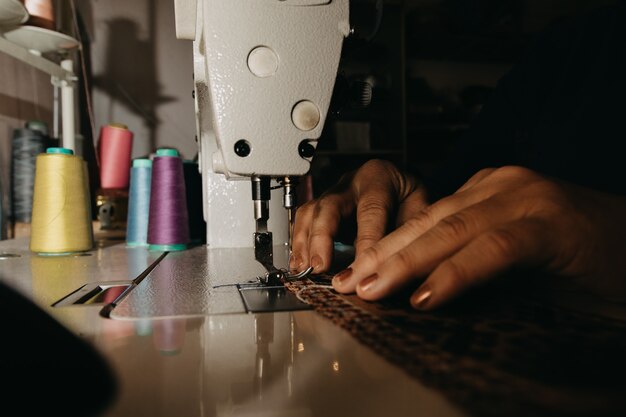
[97, 293]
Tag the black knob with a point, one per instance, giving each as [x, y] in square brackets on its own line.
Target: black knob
[305, 149]
[242, 148]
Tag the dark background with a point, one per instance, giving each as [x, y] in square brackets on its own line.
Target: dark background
[432, 65]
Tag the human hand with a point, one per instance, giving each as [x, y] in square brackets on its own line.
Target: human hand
[500, 219]
[374, 194]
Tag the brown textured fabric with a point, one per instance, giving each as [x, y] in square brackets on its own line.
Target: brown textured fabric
[494, 354]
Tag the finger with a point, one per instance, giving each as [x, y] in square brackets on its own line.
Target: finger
[374, 189]
[412, 205]
[340, 193]
[378, 194]
[418, 200]
[370, 260]
[372, 215]
[299, 257]
[521, 243]
[476, 179]
[327, 214]
[421, 256]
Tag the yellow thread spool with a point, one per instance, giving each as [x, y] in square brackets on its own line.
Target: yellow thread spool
[61, 222]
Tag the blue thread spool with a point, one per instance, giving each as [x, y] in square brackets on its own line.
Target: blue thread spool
[139, 202]
[168, 224]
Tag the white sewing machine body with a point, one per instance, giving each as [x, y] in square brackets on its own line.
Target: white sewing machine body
[264, 73]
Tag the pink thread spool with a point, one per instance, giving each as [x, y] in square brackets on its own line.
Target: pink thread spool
[116, 144]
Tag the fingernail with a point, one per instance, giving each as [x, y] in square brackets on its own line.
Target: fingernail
[295, 262]
[342, 276]
[316, 263]
[368, 283]
[421, 298]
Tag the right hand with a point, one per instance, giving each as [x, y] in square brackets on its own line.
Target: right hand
[374, 194]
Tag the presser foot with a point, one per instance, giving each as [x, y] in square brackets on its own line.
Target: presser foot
[263, 253]
[279, 277]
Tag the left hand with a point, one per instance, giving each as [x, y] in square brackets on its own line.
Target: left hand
[375, 196]
[500, 219]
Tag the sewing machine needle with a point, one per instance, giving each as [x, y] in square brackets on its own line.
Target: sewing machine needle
[290, 218]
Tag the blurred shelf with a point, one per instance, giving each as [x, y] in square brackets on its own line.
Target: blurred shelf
[12, 12]
[28, 44]
[39, 40]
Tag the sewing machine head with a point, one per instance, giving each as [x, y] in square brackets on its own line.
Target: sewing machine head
[264, 73]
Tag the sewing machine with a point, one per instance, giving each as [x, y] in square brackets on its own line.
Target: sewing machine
[264, 75]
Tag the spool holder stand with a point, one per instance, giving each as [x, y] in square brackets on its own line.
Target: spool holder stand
[63, 77]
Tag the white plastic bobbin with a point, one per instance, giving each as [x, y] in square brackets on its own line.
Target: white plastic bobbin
[305, 115]
[263, 62]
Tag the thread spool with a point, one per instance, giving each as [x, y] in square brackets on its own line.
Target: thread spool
[61, 219]
[116, 143]
[41, 13]
[139, 202]
[168, 223]
[193, 189]
[26, 145]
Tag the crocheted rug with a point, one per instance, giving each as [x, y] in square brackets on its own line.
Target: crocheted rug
[491, 354]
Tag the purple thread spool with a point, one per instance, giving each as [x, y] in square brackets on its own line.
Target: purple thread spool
[168, 223]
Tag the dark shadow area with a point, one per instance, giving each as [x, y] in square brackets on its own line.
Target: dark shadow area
[47, 369]
[84, 104]
[432, 65]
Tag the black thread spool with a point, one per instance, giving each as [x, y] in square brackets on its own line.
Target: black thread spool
[26, 145]
[193, 187]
